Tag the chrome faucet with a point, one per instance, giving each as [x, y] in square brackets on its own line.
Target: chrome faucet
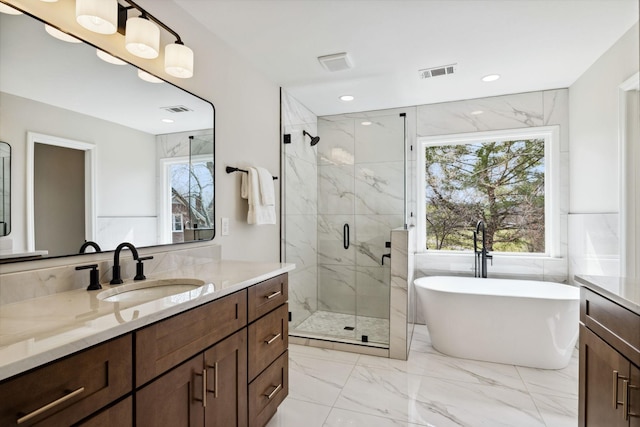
[481, 256]
[116, 277]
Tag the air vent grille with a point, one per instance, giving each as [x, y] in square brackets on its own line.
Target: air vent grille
[336, 62]
[177, 109]
[438, 71]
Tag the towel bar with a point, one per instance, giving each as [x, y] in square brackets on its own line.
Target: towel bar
[231, 169]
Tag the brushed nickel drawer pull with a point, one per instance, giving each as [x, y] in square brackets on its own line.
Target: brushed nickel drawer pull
[273, 294]
[626, 394]
[204, 388]
[273, 393]
[215, 380]
[50, 405]
[272, 339]
[616, 378]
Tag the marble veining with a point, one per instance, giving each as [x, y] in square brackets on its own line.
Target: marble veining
[334, 388]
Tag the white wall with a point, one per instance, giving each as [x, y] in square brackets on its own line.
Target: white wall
[593, 118]
[595, 173]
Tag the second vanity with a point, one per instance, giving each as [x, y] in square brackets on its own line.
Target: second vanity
[215, 355]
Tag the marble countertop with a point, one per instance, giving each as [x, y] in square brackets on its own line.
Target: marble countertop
[39, 330]
[623, 291]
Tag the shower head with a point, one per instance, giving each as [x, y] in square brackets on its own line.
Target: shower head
[314, 139]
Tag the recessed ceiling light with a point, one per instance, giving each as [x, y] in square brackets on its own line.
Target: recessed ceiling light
[491, 78]
[477, 112]
[347, 98]
[366, 123]
[167, 120]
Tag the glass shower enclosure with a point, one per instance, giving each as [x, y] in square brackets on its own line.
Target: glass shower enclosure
[342, 198]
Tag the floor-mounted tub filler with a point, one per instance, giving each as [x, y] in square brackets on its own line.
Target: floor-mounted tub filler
[517, 322]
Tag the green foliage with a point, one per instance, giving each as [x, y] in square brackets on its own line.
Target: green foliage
[501, 183]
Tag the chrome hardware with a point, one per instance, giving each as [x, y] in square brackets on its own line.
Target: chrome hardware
[272, 339]
[273, 295]
[273, 393]
[50, 405]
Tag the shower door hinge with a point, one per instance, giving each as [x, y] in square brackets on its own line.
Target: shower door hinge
[287, 138]
[289, 316]
[411, 147]
[403, 114]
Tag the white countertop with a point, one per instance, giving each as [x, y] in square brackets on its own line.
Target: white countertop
[39, 330]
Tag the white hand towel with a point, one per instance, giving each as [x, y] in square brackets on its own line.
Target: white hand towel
[250, 189]
[267, 193]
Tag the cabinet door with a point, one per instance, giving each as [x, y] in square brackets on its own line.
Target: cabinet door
[175, 399]
[600, 388]
[226, 365]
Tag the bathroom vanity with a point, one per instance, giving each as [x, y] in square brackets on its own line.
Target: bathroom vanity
[609, 393]
[216, 357]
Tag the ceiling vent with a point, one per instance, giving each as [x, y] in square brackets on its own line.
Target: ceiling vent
[177, 109]
[336, 62]
[438, 71]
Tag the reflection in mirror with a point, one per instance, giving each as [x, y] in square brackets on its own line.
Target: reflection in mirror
[124, 133]
[5, 189]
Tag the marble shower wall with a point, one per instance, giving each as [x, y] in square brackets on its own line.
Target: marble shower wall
[300, 225]
[361, 184]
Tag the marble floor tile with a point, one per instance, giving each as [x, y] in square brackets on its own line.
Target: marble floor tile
[330, 324]
[296, 413]
[315, 380]
[330, 388]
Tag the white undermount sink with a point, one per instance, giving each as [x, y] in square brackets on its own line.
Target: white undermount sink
[149, 290]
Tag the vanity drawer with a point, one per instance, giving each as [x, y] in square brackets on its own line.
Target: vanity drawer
[268, 390]
[169, 342]
[613, 323]
[66, 391]
[268, 339]
[267, 295]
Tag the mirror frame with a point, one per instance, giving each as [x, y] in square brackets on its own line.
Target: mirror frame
[32, 15]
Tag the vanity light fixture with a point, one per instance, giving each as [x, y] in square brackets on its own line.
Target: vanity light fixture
[178, 60]
[99, 16]
[6, 9]
[149, 77]
[491, 78]
[142, 37]
[347, 98]
[60, 35]
[109, 58]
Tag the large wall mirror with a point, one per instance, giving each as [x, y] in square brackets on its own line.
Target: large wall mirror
[98, 154]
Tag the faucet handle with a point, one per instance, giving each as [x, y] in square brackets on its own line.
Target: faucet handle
[140, 268]
[94, 276]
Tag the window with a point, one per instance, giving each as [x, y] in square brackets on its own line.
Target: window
[504, 178]
[176, 224]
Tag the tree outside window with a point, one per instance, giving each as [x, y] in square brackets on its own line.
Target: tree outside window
[501, 183]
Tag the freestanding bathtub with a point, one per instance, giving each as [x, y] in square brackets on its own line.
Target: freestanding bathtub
[518, 322]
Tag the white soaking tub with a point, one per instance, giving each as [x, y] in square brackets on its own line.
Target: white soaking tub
[517, 322]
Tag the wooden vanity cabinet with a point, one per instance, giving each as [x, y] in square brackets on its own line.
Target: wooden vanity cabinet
[69, 390]
[208, 389]
[609, 393]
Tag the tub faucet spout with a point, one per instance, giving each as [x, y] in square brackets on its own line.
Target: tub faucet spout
[481, 255]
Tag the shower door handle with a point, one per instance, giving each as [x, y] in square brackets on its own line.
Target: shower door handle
[345, 236]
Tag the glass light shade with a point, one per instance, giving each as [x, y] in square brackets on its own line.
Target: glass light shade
[9, 10]
[109, 58]
[149, 77]
[142, 38]
[54, 32]
[99, 16]
[178, 61]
